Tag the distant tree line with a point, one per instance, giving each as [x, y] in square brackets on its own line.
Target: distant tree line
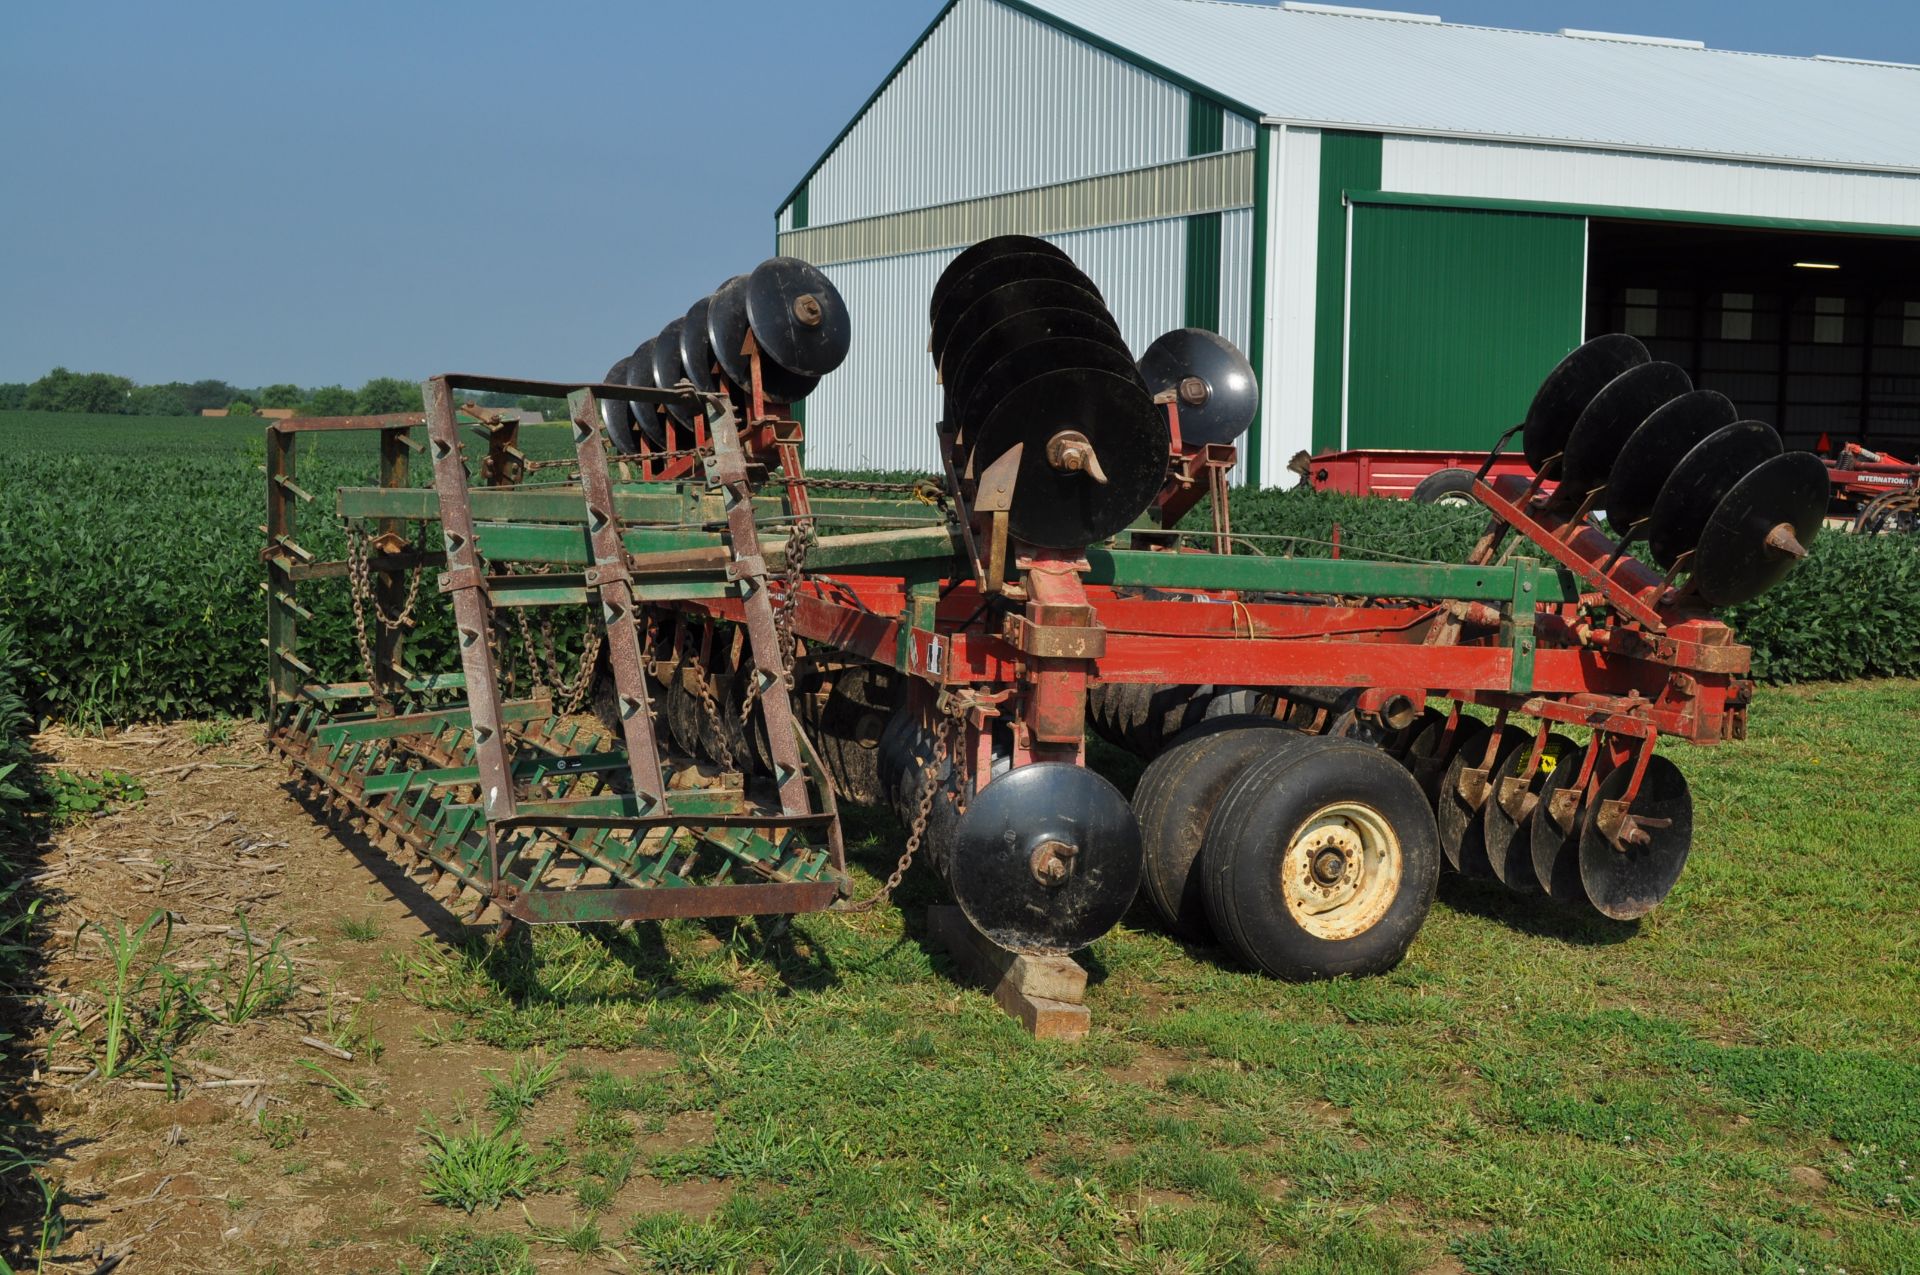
[106, 394]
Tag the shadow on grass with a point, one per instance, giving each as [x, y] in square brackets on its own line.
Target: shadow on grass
[1533, 914]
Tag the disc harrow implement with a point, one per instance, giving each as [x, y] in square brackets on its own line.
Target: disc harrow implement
[756, 646]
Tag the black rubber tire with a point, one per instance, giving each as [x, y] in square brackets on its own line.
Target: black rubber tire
[1176, 798]
[1445, 487]
[1264, 811]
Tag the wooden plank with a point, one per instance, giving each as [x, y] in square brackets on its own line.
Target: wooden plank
[1043, 992]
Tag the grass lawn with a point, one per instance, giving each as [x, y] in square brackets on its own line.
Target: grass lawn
[1732, 1085]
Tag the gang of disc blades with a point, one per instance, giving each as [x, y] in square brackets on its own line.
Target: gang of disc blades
[977, 399]
[1509, 841]
[1700, 481]
[1463, 828]
[1734, 561]
[798, 317]
[1032, 814]
[1631, 882]
[987, 317]
[646, 415]
[696, 348]
[615, 414]
[1128, 436]
[1568, 389]
[998, 273]
[1229, 395]
[1556, 850]
[1648, 456]
[668, 371]
[1622, 406]
[999, 366]
[981, 253]
[727, 331]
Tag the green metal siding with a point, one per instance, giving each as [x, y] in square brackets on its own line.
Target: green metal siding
[1206, 125]
[1455, 316]
[1203, 272]
[1348, 161]
[800, 207]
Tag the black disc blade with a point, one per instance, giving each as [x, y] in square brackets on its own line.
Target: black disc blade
[1764, 525]
[1217, 393]
[1025, 827]
[991, 326]
[981, 253]
[1631, 882]
[1556, 846]
[647, 416]
[1432, 749]
[1570, 387]
[1620, 407]
[797, 316]
[1700, 481]
[1463, 829]
[618, 416]
[696, 348]
[727, 329]
[1651, 451]
[976, 399]
[668, 371]
[727, 332]
[998, 273]
[1509, 839]
[1128, 435]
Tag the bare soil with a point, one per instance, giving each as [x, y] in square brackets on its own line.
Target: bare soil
[254, 1164]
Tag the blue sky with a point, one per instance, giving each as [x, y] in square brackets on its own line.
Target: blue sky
[316, 193]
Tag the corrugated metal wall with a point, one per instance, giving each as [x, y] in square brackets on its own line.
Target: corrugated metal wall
[879, 409]
[989, 73]
[1293, 238]
[1503, 170]
[1454, 316]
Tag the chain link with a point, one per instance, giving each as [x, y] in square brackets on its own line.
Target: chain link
[360, 594]
[916, 834]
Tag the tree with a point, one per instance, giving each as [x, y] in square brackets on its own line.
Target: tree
[204, 394]
[281, 396]
[331, 400]
[13, 396]
[385, 394]
[156, 400]
[240, 407]
[64, 391]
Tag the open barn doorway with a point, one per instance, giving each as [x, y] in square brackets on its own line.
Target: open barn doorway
[1818, 333]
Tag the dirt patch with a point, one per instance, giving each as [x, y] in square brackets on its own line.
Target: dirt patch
[256, 1160]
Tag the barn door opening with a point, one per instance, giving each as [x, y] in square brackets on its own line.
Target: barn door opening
[1818, 333]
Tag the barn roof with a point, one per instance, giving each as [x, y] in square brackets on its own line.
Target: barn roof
[1320, 64]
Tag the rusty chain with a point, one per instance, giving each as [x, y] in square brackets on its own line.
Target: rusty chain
[916, 834]
[360, 594]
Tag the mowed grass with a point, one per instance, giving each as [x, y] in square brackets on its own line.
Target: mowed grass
[1732, 1085]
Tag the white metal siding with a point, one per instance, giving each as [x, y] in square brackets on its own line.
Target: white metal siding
[1237, 135]
[1141, 271]
[997, 101]
[1507, 170]
[1236, 294]
[878, 410]
[784, 222]
[1293, 256]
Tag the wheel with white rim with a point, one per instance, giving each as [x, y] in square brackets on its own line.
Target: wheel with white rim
[1321, 861]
